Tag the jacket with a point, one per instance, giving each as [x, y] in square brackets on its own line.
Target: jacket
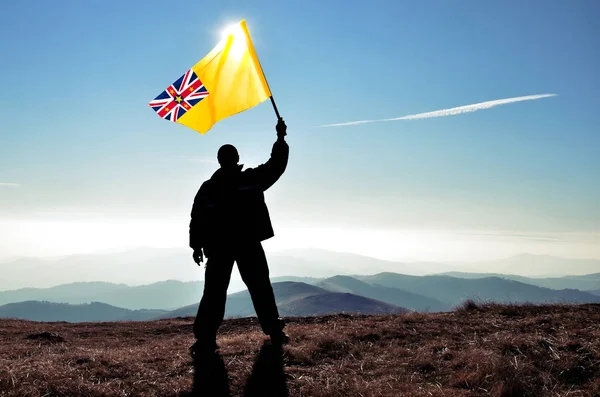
[230, 207]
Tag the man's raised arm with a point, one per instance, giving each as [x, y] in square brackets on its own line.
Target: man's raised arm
[265, 175]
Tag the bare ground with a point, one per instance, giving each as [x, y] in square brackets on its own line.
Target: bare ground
[477, 350]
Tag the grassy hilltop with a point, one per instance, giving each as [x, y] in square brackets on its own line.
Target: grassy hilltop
[489, 350]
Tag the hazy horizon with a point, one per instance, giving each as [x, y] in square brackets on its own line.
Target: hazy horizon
[145, 265]
[50, 238]
[277, 251]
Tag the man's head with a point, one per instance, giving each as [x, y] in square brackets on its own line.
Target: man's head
[228, 156]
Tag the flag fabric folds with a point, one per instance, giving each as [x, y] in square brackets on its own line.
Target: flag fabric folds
[228, 80]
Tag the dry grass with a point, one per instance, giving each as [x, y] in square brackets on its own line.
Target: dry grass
[479, 349]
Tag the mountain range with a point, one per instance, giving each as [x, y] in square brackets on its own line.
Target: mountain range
[299, 299]
[396, 296]
[373, 294]
[585, 282]
[454, 290]
[167, 295]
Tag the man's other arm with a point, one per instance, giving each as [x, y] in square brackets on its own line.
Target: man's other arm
[196, 226]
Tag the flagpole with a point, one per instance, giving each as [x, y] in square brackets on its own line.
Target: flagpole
[255, 58]
[275, 107]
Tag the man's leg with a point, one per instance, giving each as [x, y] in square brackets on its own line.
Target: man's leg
[254, 270]
[212, 306]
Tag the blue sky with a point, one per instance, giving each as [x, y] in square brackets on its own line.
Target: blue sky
[79, 145]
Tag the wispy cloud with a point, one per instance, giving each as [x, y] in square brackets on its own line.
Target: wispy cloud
[449, 112]
[9, 184]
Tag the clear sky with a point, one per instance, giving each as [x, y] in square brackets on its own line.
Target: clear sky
[86, 165]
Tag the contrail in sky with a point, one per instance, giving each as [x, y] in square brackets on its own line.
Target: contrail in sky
[450, 112]
[9, 184]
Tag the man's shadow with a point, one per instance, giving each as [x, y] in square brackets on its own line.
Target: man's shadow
[210, 377]
[267, 377]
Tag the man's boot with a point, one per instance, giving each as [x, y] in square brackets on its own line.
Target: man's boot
[203, 348]
[279, 338]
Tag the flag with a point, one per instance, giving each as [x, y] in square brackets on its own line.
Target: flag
[228, 80]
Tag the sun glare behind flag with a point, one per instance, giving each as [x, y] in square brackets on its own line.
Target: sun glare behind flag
[227, 81]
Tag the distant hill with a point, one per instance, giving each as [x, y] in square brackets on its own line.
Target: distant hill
[595, 292]
[582, 282]
[89, 312]
[185, 311]
[161, 295]
[297, 299]
[74, 293]
[336, 302]
[288, 291]
[454, 290]
[239, 304]
[394, 296]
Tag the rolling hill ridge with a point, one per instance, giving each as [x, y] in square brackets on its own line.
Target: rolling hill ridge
[298, 299]
[379, 293]
[454, 290]
[85, 312]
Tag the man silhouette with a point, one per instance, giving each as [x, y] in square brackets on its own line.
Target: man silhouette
[228, 222]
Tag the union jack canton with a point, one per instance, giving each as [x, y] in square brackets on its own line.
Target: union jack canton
[179, 97]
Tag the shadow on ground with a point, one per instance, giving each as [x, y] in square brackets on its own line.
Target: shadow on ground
[267, 377]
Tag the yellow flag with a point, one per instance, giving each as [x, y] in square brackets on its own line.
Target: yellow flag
[227, 81]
